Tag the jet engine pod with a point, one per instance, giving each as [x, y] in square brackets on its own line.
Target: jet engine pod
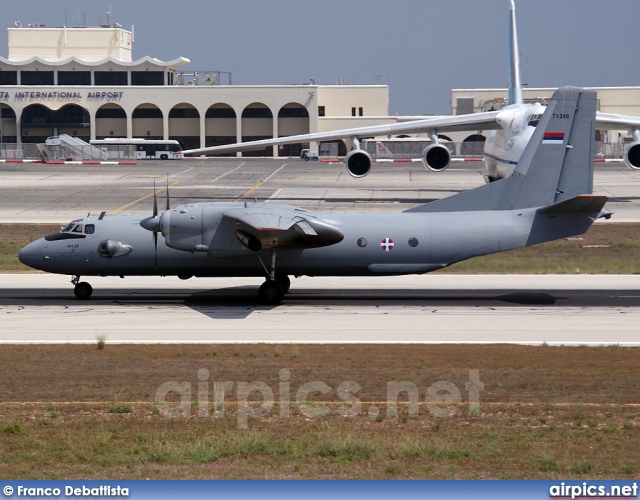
[632, 156]
[436, 157]
[358, 163]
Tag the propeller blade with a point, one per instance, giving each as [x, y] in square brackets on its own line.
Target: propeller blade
[168, 206]
[155, 248]
[155, 199]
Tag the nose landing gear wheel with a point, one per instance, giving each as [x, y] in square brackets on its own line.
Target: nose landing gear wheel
[271, 293]
[83, 290]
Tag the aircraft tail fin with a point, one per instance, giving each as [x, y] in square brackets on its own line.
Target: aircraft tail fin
[515, 85]
[556, 165]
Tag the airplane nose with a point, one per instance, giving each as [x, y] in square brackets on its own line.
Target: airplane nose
[32, 255]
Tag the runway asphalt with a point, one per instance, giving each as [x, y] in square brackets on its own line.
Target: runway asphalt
[556, 310]
[59, 193]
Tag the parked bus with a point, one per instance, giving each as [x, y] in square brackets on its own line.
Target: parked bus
[144, 148]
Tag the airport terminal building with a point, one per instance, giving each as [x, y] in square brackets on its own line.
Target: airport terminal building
[83, 82]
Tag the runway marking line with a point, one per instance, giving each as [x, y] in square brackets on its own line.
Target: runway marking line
[246, 193]
[124, 207]
[227, 173]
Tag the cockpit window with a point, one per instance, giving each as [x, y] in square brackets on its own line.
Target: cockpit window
[73, 227]
[89, 229]
[534, 119]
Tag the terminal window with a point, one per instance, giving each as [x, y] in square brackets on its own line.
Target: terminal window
[8, 78]
[36, 77]
[147, 113]
[147, 78]
[221, 112]
[184, 113]
[111, 113]
[111, 78]
[74, 78]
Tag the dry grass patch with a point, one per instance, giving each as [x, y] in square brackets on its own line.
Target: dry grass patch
[545, 412]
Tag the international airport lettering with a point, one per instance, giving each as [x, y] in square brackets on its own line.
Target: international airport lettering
[48, 95]
[61, 95]
[67, 491]
[257, 398]
[105, 95]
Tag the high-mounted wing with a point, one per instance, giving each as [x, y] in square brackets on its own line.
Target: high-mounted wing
[265, 226]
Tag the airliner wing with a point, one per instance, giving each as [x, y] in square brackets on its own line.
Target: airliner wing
[475, 121]
[607, 121]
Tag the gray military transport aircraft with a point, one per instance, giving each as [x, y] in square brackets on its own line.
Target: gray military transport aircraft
[549, 196]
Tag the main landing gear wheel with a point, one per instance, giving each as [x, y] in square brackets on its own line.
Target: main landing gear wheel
[83, 290]
[284, 281]
[271, 292]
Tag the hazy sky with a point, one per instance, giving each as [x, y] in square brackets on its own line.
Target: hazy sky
[421, 48]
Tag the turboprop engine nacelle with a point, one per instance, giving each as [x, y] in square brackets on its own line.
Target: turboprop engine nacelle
[632, 155]
[436, 157]
[358, 163]
[182, 228]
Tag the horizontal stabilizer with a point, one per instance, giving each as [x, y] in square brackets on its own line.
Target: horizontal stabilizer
[578, 205]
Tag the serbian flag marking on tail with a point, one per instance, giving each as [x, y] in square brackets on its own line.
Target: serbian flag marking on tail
[553, 138]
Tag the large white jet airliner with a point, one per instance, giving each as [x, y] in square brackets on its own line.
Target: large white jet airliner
[508, 131]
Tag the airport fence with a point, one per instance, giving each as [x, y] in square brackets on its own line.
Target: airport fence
[90, 153]
[391, 149]
[30, 151]
[414, 149]
[19, 152]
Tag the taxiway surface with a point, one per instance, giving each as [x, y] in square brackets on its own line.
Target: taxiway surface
[567, 310]
[60, 193]
[425, 309]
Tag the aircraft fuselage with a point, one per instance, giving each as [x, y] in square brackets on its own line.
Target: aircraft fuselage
[504, 146]
[373, 244]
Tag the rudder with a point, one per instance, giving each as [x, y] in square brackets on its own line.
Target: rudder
[557, 164]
